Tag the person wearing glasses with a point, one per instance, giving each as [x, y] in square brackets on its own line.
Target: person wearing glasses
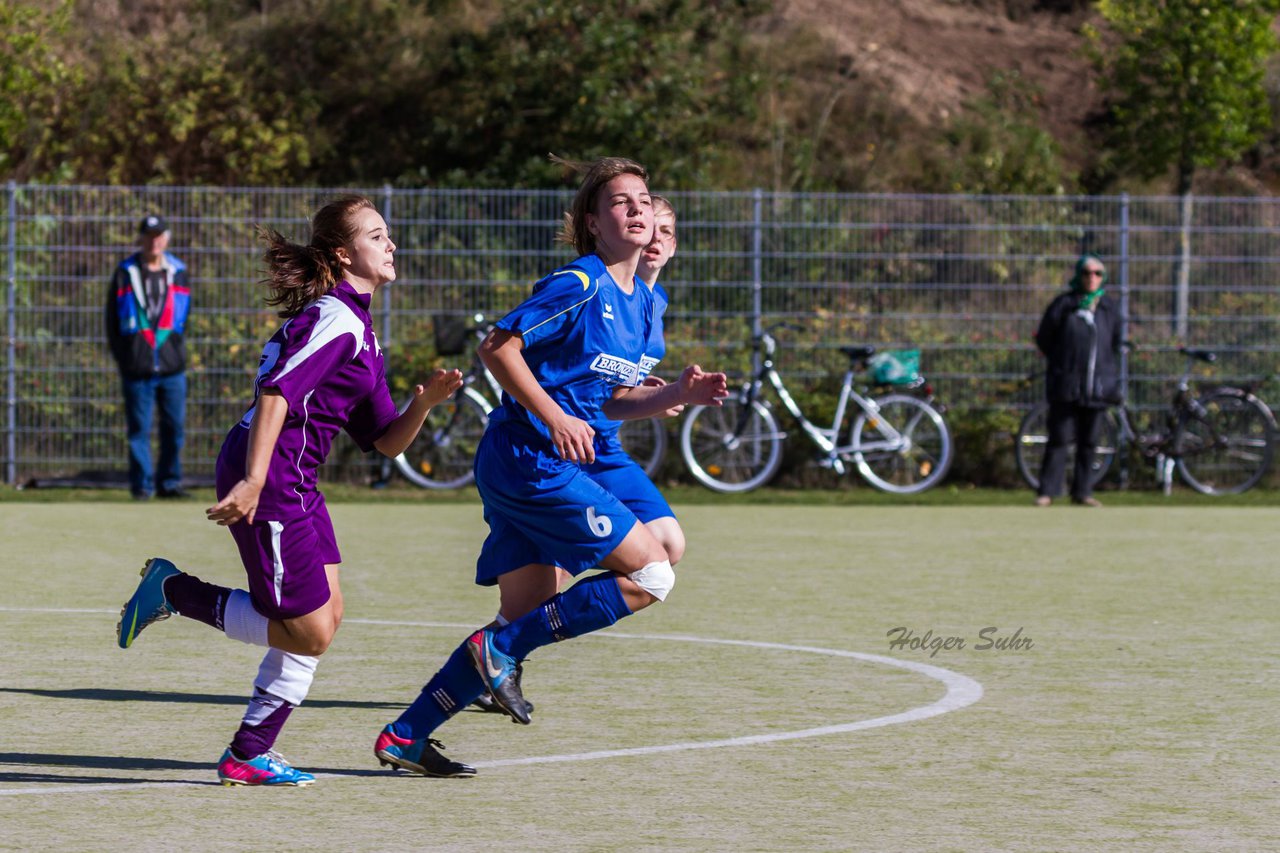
[1080, 336]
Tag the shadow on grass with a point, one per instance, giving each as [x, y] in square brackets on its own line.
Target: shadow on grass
[127, 763]
[98, 694]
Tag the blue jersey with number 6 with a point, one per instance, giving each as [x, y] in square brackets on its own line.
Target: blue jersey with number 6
[583, 337]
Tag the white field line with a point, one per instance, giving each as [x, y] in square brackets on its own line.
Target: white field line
[961, 692]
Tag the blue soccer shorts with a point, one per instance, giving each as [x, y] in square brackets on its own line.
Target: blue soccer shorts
[541, 509]
[622, 476]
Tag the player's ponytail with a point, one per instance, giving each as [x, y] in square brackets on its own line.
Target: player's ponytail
[299, 275]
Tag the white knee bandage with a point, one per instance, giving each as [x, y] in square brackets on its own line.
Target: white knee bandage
[241, 622]
[657, 579]
[286, 675]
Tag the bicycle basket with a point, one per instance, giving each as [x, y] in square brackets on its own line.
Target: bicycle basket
[451, 334]
[895, 367]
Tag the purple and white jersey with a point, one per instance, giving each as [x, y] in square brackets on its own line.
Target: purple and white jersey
[327, 364]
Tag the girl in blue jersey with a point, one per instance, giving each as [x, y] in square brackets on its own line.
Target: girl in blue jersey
[572, 354]
[613, 468]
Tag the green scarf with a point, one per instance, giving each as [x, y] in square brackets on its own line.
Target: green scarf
[1087, 300]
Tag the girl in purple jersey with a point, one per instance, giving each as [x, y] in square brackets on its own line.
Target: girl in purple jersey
[321, 372]
[569, 353]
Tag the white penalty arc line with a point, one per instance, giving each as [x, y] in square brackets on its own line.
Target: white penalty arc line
[962, 691]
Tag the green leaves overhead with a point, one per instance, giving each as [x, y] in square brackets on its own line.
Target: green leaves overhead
[1184, 80]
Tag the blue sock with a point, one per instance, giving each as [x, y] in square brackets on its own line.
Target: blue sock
[453, 688]
[587, 606]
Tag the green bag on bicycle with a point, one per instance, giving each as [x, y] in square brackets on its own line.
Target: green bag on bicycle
[895, 367]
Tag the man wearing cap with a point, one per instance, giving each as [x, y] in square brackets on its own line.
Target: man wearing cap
[147, 307]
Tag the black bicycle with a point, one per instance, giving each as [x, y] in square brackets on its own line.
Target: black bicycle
[1220, 440]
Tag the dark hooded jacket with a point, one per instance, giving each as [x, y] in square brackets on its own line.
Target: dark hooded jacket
[1083, 350]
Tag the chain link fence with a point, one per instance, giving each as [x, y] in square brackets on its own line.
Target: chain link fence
[963, 278]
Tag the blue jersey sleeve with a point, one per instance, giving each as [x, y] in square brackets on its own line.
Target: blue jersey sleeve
[552, 307]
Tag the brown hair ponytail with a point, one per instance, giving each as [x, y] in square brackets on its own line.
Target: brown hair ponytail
[299, 275]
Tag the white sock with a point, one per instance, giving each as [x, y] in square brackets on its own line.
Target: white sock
[240, 621]
[286, 675]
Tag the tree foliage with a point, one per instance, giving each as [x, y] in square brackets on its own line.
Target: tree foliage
[663, 81]
[721, 93]
[997, 147]
[178, 110]
[32, 76]
[1184, 80]
[370, 91]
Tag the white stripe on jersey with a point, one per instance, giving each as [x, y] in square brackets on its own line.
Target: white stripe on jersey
[302, 451]
[277, 562]
[588, 298]
[336, 319]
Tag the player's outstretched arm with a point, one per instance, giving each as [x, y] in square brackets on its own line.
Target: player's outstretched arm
[242, 501]
[703, 389]
[405, 428]
[658, 382]
[695, 387]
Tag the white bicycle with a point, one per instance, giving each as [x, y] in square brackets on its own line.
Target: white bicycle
[897, 441]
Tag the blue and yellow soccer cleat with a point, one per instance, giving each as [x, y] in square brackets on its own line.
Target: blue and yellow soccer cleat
[417, 756]
[268, 769]
[498, 671]
[148, 604]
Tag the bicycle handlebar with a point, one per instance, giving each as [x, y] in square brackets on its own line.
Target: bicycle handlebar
[1204, 355]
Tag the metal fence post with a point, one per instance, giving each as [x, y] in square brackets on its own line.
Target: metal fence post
[11, 348]
[382, 464]
[757, 246]
[1122, 277]
[387, 193]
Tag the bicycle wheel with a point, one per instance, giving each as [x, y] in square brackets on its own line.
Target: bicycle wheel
[921, 453]
[1228, 448]
[645, 441]
[1033, 438]
[731, 448]
[442, 455]
[1030, 444]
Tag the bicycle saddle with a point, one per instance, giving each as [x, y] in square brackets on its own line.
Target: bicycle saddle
[1202, 354]
[858, 353]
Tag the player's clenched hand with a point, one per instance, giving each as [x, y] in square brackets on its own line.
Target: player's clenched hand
[439, 387]
[573, 439]
[703, 389]
[658, 382]
[240, 502]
